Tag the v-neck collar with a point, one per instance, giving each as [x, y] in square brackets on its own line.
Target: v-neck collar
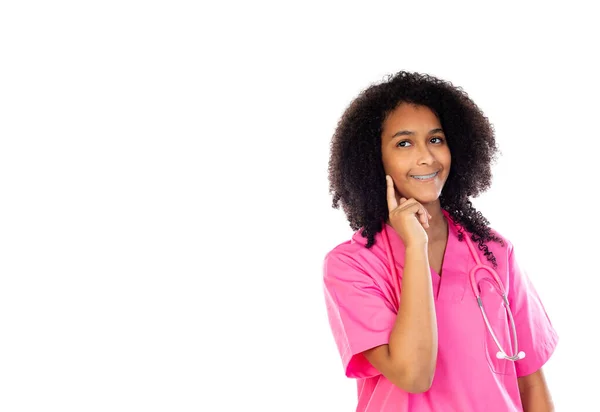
[450, 287]
[448, 237]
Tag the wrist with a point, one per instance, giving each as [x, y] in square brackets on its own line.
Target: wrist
[417, 247]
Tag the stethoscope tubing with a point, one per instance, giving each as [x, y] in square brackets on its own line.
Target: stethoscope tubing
[497, 284]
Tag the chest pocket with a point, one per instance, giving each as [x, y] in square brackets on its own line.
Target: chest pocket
[499, 321]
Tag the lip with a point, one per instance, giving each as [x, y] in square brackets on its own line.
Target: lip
[426, 180]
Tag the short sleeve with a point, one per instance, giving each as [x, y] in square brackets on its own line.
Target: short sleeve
[535, 333]
[359, 314]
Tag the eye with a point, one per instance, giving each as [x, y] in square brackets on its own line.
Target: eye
[403, 143]
[440, 140]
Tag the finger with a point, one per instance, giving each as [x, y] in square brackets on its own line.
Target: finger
[419, 211]
[398, 197]
[423, 217]
[411, 205]
[391, 194]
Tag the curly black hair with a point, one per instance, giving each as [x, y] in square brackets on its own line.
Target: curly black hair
[356, 173]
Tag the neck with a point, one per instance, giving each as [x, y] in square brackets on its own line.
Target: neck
[438, 226]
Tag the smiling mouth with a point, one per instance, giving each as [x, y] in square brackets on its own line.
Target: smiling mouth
[425, 177]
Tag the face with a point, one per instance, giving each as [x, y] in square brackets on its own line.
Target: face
[415, 153]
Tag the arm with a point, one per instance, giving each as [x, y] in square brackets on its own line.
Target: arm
[535, 395]
[409, 359]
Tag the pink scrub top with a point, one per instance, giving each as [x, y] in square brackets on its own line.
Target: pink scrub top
[361, 307]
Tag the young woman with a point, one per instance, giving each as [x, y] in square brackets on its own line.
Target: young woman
[427, 304]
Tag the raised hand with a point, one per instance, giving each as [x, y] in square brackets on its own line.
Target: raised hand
[408, 217]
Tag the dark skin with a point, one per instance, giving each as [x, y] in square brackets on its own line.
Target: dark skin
[413, 145]
[534, 393]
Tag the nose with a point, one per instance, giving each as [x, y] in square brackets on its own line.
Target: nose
[424, 155]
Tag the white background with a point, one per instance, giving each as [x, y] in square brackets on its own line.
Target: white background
[164, 206]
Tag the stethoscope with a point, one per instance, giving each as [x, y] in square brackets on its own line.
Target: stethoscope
[496, 283]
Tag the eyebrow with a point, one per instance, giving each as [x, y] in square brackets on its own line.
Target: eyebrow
[410, 133]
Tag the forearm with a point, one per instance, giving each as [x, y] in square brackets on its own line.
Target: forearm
[535, 397]
[413, 340]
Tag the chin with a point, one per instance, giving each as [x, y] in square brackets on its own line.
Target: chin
[427, 199]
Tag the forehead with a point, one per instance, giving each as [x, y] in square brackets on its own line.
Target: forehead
[411, 117]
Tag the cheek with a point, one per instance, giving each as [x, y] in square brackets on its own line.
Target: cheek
[392, 164]
[445, 157]
[396, 168]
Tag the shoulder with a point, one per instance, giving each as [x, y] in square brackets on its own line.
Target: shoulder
[503, 252]
[345, 253]
[351, 258]
[504, 247]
